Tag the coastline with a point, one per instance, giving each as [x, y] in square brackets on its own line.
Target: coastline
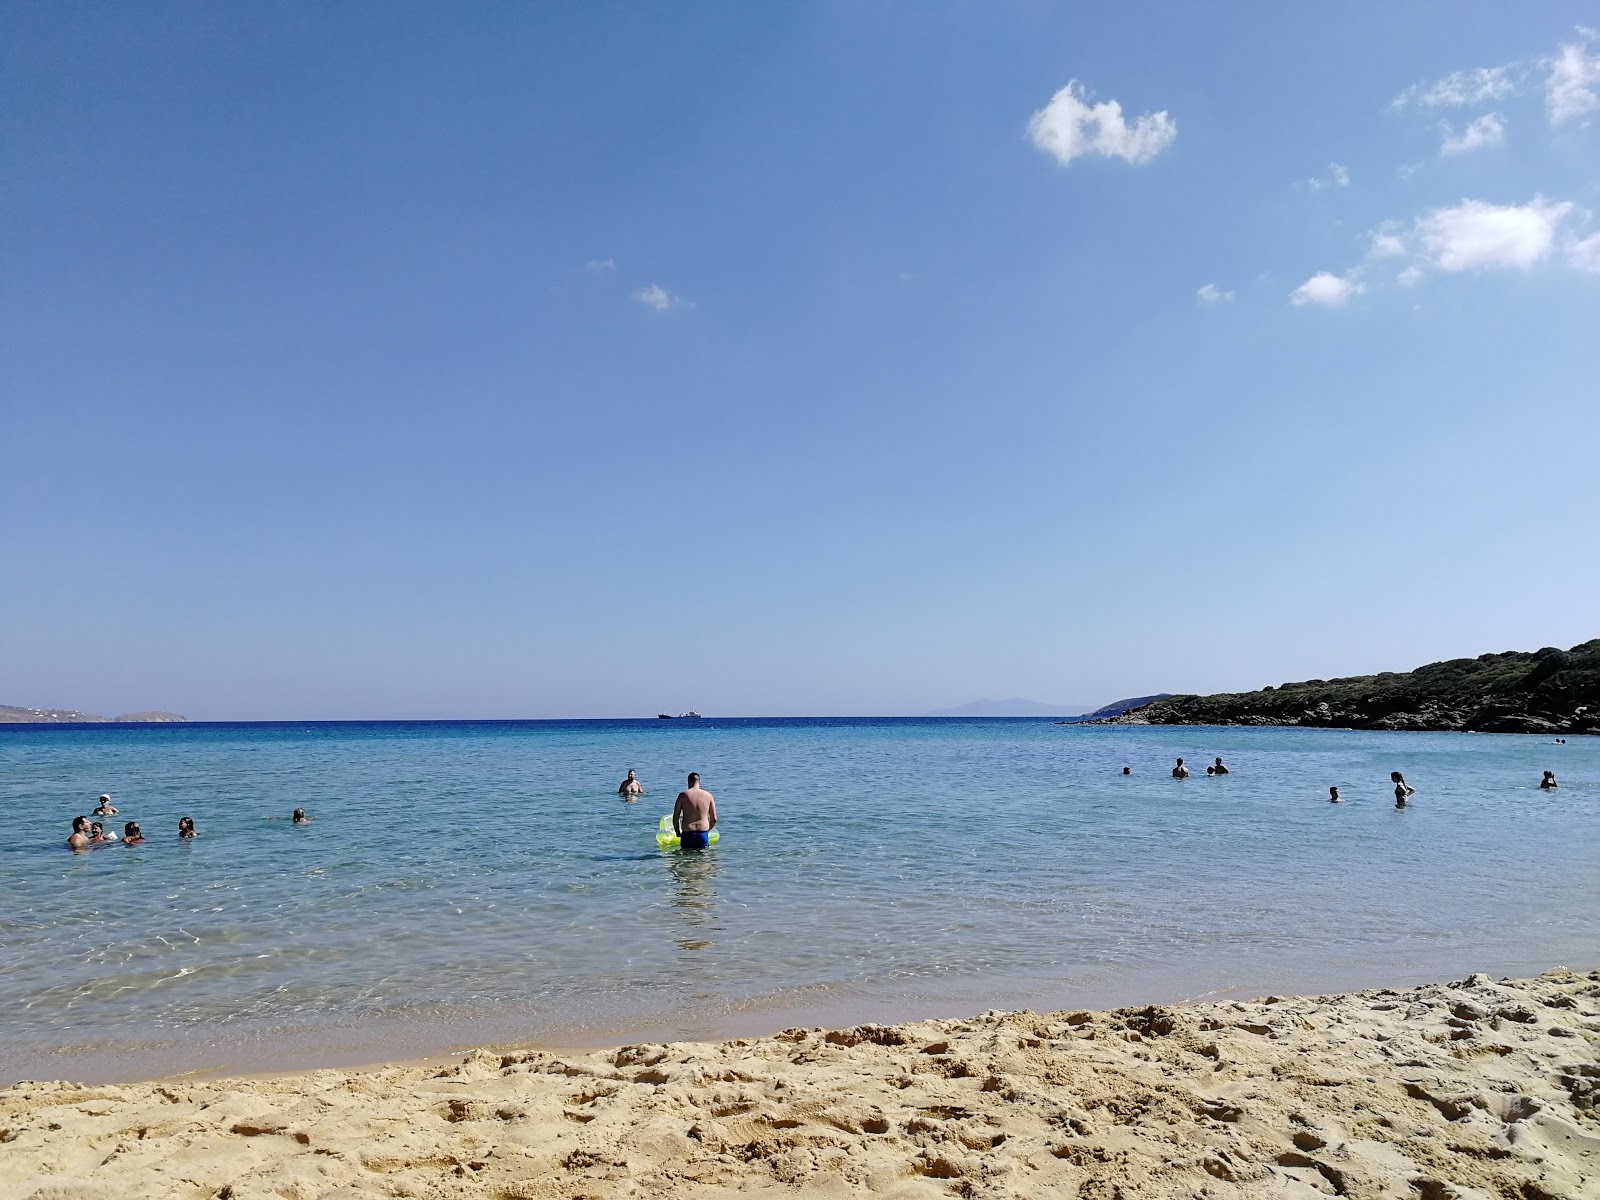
[1468, 1089]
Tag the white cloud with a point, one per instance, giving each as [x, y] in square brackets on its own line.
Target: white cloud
[1211, 294]
[1460, 89]
[1487, 130]
[1409, 277]
[657, 297]
[1386, 245]
[1585, 255]
[601, 265]
[1570, 88]
[1338, 176]
[1327, 289]
[1476, 234]
[1069, 127]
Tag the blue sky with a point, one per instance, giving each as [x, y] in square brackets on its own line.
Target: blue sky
[598, 359]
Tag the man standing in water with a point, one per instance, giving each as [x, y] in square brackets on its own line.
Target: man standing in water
[1180, 771]
[694, 815]
[630, 787]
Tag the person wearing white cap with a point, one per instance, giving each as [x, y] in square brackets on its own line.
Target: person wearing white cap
[105, 809]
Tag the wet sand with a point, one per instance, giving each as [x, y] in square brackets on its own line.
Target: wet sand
[1459, 1091]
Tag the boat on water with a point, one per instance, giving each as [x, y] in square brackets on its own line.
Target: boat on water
[691, 715]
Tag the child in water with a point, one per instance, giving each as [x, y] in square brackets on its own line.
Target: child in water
[1333, 796]
[186, 828]
[300, 817]
[131, 835]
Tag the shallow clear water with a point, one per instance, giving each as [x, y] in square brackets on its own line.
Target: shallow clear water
[472, 882]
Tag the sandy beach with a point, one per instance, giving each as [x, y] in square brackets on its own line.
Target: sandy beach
[1466, 1090]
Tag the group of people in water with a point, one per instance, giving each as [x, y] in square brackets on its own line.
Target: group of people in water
[87, 834]
[694, 812]
[1403, 791]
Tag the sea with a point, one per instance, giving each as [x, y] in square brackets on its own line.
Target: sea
[466, 883]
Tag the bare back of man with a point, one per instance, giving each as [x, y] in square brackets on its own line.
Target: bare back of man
[694, 814]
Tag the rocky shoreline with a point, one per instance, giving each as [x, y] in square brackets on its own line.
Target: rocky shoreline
[1550, 692]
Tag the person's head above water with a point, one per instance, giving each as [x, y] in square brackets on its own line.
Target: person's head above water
[1333, 793]
[299, 815]
[186, 827]
[80, 824]
[1127, 770]
[694, 779]
[1396, 777]
[130, 831]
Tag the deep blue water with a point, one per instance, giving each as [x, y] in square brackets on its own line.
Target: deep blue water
[481, 881]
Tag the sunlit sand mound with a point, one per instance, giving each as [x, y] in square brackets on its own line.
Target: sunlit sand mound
[1470, 1090]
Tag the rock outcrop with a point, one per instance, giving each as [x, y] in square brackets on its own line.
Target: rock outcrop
[1549, 691]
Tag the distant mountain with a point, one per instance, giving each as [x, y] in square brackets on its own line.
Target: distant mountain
[1547, 691]
[1016, 707]
[11, 715]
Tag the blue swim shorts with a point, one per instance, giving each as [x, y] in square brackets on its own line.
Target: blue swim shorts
[694, 839]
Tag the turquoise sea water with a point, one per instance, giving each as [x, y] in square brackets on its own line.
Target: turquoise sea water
[481, 882]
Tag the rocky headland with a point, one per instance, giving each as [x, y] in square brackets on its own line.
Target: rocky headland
[1549, 691]
[10, 714]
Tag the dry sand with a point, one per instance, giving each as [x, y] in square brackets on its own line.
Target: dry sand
[1473, 1089]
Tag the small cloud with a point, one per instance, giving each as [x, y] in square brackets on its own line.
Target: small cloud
[1069, 127]
[1338, 176]
[1475, 234]
[1386, 244]
[1570, 87]
[1487, 130]
[599, 266]
[657, 297]
[1460, 89]
[1211, 294]
[1327, 289]
[1585, 255]
[1411, 276]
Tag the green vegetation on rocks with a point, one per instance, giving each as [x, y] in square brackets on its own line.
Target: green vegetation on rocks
[1548, 691]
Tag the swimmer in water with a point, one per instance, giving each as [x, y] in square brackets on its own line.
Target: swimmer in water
[131, 834]
[1402, 789]
[105, 809]
[1127, 770]
[694, 815]
[186, 828]
[1549, 781]
[1219, 769]
[1211, 770]
[300, 817]
[1180, 771]
[630, 787]
[97, 831]
[1333, 796]
[79, 838]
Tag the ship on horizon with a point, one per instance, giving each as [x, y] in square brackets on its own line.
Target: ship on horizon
[691, 715]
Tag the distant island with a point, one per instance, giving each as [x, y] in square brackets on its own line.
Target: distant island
[1548, 691]
[12, 715]
[1016, 707]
